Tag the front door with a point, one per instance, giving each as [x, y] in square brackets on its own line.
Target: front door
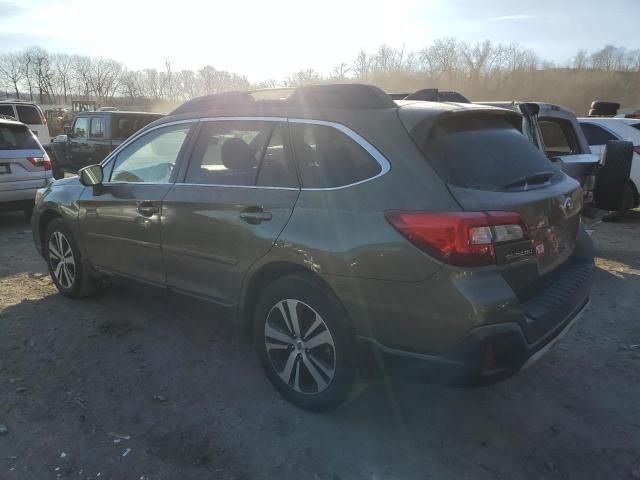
[78, 148]
[121, 218]
[237, 196]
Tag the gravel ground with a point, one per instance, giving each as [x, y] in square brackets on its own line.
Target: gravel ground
[139, 385]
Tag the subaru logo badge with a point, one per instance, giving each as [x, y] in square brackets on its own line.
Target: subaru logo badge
[568, 203]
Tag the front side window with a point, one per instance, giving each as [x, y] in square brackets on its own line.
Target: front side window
[80, 127]
[28, 114]
[559, 137]
[327, 158]
[239, 152]
[97, 127]
[151, 158]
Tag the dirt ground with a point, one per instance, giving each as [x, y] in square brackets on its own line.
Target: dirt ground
[139, 385]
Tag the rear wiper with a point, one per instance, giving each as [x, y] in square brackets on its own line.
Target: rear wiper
[535, 178]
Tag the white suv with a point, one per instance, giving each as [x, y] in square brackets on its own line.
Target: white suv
[599, 130]
[28, 113]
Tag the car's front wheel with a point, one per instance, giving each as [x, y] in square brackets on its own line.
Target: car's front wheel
[304, 343]
[68, 272]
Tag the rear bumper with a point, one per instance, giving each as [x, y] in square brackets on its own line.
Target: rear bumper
[486, 355]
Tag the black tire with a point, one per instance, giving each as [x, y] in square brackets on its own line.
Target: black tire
[73, 281]
[313, 301]
[602, 113]
[600, 105]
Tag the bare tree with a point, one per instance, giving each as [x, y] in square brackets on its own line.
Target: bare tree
[11, 71]
[303, 77]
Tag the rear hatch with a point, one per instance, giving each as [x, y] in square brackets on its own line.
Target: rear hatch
[489, 165]
[23, 163]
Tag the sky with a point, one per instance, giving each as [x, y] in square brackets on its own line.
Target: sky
[270, 39]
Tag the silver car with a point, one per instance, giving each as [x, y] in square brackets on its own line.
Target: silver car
[24, 166]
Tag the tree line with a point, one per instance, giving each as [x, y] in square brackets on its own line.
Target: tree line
[477, 69]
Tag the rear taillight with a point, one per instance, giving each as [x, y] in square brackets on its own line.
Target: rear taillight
[42, 117]
[44, 161]
[459, 238]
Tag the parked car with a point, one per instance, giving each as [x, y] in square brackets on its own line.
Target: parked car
[92, 136]
[342, 229]
[28, 113]
[24, 166]
[556, 131]
[599, 131]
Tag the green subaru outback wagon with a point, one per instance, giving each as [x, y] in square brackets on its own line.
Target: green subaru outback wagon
[345, 230]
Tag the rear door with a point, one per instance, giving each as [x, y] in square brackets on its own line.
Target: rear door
[120, 219]
[490, 165]
[236, 197]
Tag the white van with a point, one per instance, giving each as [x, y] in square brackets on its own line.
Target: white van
[28, 113]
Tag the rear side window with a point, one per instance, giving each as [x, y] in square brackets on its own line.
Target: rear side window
[484, 152]
[7, 110]
[559, 137]
[17, 137]
[97, 127]
[244, 153]
[28, 114]
[328, 158]
[636, 126]
[596, 135]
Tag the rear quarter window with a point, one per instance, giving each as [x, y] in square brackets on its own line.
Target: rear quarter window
[596, 135]
[17, 137]
[28, 114]
[484, 152]
[559, 137]
[328, 158]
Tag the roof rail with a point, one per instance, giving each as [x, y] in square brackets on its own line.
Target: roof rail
[431, 95]
[350, 95]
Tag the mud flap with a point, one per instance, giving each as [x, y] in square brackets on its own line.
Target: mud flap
[613, 176]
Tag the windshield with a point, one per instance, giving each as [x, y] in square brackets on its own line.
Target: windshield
[17, 137]
[483, 152]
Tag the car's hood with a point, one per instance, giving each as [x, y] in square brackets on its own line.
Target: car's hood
[75, 180]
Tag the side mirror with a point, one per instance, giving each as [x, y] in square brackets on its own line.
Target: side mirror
[91, 176]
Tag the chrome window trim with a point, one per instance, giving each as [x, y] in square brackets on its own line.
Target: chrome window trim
[385, 166]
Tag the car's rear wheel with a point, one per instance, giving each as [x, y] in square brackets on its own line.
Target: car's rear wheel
[304, 343]
[66, 267]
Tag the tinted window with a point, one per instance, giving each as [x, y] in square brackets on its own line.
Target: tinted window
[97, 127]
[151, 157]
[481, 151]
[596, 135]
[328, 158]
[123, 126]
[7, 110]
[80, 127]
[28, 114]
[559, 137]
[636, 126]
[235, 152]
[17, 137]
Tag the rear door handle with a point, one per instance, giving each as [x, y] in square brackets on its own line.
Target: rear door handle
[255, 215]
[147, 209]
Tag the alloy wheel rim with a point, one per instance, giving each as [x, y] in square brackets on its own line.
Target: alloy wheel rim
[300, 346]
[62, 261]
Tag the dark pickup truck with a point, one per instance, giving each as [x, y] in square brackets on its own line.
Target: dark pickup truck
[92, 136]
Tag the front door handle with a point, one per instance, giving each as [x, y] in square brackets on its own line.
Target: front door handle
[147, 209]
[255, 215]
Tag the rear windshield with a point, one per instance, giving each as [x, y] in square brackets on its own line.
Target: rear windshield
[17, 137]
[123, 126]
[482, 151]
[29, 115]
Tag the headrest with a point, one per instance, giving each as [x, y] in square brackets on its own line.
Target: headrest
[237, 155]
